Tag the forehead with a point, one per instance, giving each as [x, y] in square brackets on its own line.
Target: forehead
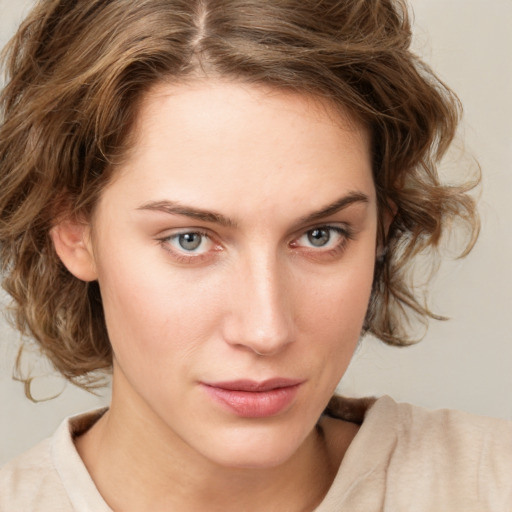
[210, 142]
[215, 102]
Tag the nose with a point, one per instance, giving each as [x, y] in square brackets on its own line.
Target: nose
[260, 316]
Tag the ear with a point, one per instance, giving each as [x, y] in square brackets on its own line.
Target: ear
[72, 242]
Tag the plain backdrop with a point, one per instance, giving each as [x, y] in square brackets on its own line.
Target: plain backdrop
[465, 363]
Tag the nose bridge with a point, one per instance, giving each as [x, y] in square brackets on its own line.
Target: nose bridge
[261, 318]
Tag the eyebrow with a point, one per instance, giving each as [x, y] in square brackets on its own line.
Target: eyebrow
[335, 207]
[176, 208]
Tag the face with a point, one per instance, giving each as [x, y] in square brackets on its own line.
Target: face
[235, 251]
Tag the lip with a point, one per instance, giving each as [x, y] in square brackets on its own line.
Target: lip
[254, 399]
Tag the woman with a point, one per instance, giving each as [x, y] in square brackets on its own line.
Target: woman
[215, 200]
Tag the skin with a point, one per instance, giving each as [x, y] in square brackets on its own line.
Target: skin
[257, 299]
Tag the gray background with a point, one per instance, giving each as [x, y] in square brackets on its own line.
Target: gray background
[465, 363]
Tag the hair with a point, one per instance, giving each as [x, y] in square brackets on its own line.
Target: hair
[76, 73]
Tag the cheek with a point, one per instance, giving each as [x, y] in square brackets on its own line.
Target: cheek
[152, 312]
[333, 319]
[338, 305]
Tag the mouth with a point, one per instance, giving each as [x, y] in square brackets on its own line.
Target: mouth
[253, 399]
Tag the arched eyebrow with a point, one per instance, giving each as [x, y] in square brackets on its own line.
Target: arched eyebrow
[335, 207]
[176, 208]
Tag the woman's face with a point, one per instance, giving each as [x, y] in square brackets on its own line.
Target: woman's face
[235, 251]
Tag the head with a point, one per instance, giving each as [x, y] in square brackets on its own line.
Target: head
[82, 80]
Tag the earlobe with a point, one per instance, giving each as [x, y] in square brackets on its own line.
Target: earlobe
[72, 243]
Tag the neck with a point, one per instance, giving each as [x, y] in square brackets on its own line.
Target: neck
[138, 464]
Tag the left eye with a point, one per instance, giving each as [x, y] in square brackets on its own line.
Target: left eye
[322, 237]
[192, 241]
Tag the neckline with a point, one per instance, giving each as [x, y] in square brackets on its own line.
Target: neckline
[85, 496]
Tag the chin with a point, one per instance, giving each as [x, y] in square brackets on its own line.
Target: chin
[261, 449]
[255, 459]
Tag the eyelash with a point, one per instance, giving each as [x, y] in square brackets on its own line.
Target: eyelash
[182, 257]
[344, 232]
[346, 235]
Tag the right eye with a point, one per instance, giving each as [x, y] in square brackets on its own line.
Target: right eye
[190, 242]
[190, 246]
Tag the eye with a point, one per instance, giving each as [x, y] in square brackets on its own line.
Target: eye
[319, 237]
[190, 242]
[323, 237]
[323, 240]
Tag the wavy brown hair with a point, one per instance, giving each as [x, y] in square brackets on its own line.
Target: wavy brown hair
[75, 75]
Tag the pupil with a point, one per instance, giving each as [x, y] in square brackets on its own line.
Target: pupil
[319, 237]
[190, 241]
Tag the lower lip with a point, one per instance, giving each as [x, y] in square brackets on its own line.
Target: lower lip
[254, 404]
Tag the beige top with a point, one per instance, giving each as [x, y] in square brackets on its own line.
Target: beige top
[404, 458]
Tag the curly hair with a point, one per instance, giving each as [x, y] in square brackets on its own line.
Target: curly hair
[76, 73]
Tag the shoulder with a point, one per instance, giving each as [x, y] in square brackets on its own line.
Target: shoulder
[444, 435]
[51, 476]
[406, 457]
[459, 433]
[465, 458]
[30, 482]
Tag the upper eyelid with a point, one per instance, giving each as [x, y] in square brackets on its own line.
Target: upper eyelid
[167, 237]
[182, 254]
[174, 232]
[337, 226]
[190, 257]
[345, 233]
[215, 238]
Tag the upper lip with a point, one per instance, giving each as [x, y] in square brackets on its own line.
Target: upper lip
[255, 386]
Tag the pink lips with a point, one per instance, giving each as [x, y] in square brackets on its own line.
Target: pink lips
[251, 399]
